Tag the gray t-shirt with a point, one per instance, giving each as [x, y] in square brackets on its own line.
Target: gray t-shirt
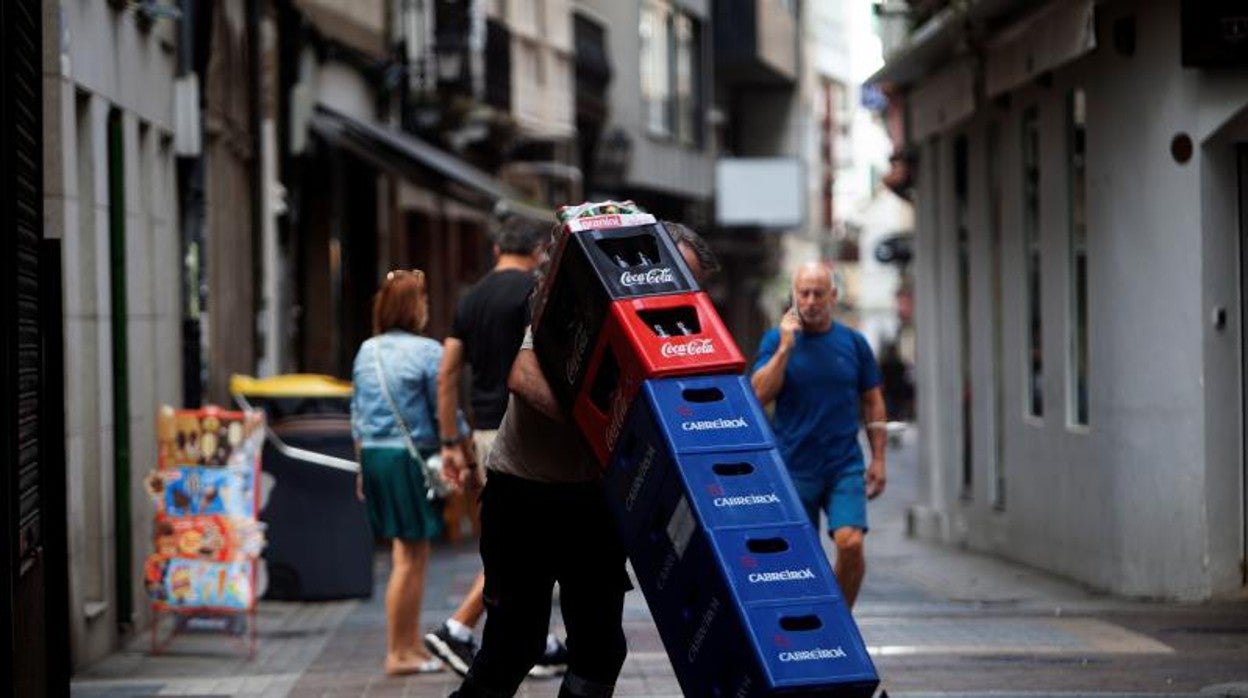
[535, 447]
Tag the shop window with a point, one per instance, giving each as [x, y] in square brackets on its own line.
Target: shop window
[1034, 346]
[962, 225]
[671, 75]
[1077, 374]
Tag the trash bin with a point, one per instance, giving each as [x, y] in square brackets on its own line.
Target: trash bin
[320, 546]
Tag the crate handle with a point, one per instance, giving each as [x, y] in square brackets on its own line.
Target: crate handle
[796, 624]
[631, 251]
[676, 321]
[731, 469]
[606, 382]
[767, 546]
[702, 394]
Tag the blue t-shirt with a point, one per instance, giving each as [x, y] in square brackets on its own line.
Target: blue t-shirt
[819, 408]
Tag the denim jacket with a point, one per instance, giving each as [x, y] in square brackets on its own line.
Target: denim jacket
[410, 363]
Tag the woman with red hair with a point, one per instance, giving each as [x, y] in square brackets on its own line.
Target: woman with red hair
[394, 422]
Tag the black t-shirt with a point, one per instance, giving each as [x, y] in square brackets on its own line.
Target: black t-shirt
[490, 321]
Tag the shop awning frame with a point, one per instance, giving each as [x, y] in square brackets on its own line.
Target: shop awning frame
[941, 38]
[404, 154]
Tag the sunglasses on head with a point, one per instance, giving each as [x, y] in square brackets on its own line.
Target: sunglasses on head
[397, 273]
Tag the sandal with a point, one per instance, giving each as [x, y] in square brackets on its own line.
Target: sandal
[424, 666]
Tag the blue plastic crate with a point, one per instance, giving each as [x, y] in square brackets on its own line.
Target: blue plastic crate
[757, 563]
[633, 480]
[721, 644]
[764, 563]
[705, 414]
[809, 644]
[734, 488]
[740, 488]
[808, 648]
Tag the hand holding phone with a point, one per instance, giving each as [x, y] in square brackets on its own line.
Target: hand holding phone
[790, 325]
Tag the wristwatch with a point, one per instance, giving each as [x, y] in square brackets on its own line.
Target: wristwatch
[453, 441]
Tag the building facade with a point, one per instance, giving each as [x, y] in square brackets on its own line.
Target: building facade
[413, 125]
[849, 210]
[656, 145]
[762, 114]
[110, 197]
[1080, 200]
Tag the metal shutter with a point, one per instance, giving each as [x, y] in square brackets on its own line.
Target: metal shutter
[21, 233]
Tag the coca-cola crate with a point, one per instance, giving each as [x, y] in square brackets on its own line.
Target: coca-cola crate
[673, 335]
[593, 266]
[643, 338]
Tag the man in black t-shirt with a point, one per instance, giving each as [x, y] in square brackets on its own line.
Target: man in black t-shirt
[486, 333]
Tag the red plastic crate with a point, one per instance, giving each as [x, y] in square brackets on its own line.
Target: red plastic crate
[652, 337]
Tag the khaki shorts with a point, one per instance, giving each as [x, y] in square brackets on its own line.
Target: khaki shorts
[483, 443]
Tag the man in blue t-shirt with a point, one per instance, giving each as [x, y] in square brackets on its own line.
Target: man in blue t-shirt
[825, 383]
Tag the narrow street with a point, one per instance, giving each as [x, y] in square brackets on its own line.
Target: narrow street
[939, 621]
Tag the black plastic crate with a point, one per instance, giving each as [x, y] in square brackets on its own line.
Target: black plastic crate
[593, 268]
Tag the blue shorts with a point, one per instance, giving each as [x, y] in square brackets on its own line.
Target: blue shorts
[841, 495]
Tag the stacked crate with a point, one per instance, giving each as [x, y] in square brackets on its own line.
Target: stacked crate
[739, 587]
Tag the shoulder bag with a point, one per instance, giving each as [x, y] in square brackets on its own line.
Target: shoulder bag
[430, 468]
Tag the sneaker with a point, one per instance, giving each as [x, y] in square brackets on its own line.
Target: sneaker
[552, 663]
[457, 654]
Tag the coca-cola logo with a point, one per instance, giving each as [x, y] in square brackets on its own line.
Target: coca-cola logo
[650, 276]
[619, 410]
[580, 342]
[695, 347]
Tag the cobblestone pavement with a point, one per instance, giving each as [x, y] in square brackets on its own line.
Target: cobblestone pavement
[940, 623]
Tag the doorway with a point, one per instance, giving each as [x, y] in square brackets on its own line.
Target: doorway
[1242, 158]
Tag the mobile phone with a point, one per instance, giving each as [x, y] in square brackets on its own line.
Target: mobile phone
[792, 310]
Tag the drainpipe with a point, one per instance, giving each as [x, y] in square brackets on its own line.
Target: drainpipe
[190, 175]
[260, 272]
[270, 317]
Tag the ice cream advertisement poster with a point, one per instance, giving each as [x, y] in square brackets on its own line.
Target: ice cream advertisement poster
[206, 536]
[183, 583]
[196, 490]
[209, 436]
[213, 538]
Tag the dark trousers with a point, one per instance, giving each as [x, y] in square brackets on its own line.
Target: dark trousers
[532, 535]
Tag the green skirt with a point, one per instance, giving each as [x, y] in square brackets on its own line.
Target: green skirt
[396, 497]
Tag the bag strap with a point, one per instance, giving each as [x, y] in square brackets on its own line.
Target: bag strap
[394, 407]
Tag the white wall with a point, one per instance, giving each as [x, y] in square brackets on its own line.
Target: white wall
[343, 89]
[1125, 504]
[881, 216]
[1225, 489]
[97, 59]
